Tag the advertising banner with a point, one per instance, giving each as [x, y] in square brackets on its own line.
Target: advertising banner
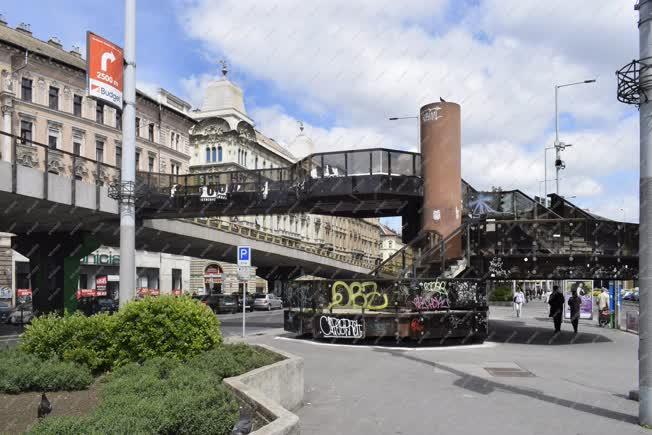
[104, 63]
[100, 283]
[90, 293]
[585, 292]
[144, 291]
[23, 292]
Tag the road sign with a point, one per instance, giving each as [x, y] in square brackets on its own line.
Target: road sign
[105, 62]
[244, 273]
[244, 255]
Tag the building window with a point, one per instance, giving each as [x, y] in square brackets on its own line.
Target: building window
[83, 280]
[256, 163]
[118, 155]
[53, 138]
[26, 131]
[77, 105]
[171, 139]
[219, 154]
[137, 127]
[76, 146]
[174, 168]
[99, 150]
[118, 119]
[137, 160]
[214, 154]
[150, 131]
[150, 164]
[53, 101]
[176, 143]
[99, 113]
[26, 89]
[208, 155]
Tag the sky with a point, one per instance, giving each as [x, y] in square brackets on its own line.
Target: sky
[343, 68]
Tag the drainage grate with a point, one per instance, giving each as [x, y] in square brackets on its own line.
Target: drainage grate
[509, 372]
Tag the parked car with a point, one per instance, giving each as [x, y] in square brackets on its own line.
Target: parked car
[267, 301]
[5, 311]
[249, 303]
[23, 313]
[221, 303]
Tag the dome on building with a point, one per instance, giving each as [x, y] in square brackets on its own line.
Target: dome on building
[302, 145]
[222, 94]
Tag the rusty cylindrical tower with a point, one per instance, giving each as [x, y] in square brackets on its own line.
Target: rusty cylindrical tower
[441, 170]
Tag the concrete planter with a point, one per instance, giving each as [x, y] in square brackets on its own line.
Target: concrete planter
[273, 391]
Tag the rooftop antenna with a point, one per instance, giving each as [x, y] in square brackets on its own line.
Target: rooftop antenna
[225, 67]
[301, 126]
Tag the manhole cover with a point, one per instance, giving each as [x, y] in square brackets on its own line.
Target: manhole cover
[509, 372]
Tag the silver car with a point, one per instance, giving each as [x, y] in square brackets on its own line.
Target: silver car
[267, 301]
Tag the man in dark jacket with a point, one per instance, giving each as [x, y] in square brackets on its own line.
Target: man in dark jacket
[556, 302]
[574, 303]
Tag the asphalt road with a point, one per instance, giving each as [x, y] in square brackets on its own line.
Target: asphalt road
[255, 323]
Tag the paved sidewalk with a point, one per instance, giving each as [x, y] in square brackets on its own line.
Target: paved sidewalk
[569, 384]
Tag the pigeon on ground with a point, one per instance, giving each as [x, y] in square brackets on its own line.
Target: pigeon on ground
[243, 426]
[45, 407]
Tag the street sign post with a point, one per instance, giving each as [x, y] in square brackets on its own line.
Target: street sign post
[244, 274]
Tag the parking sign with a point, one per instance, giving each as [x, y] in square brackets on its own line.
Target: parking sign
[244, 255]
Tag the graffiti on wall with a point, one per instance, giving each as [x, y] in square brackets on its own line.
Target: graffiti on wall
[332, 327]
[363, 295]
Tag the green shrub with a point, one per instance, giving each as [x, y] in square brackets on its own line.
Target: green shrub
[75, 338]
[20, 372]
[160, 396]
[501, 294]
[173, 327]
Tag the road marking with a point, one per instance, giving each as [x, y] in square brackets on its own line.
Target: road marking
[485, 345]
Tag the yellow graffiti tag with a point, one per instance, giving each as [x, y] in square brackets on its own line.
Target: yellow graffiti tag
[357, 295]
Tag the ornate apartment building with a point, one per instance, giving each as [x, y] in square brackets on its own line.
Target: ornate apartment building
[43, 98]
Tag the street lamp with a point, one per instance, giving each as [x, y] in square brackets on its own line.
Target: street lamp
[397, 118]
[560, 146]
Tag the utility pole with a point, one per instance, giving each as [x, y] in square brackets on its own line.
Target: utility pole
[128, 168]
[645, 235]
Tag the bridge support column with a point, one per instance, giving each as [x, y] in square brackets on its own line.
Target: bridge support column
[54, 267]
[441, 170]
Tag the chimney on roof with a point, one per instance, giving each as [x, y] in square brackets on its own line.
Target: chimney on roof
[3, 22]
[55, 41]
[25, 28]
[75, 51]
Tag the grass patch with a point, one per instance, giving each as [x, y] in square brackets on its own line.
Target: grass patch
[165, 395]
[21, 372]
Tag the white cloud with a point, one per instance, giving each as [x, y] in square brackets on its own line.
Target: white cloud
[365, 61]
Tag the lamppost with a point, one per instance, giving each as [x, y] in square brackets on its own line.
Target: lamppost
[560, 146]
[396, 118]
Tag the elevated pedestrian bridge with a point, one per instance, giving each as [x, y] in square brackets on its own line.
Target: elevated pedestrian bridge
[362, 183]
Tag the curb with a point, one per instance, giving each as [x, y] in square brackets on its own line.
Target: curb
[272, 389]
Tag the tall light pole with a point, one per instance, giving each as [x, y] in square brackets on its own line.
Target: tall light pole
[128, 168]
[560, 146]
[396, 118]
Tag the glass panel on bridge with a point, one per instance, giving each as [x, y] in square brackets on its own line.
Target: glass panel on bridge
[380, 162]
[334, 165]
[359, 163]
[316, 167]
[401, 163]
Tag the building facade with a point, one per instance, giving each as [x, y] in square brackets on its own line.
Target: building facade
[44, 98]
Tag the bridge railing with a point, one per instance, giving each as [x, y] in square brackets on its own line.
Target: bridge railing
[57, 159]
[378, 161]
[295, 242]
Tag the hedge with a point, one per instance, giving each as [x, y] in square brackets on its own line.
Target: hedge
[23, 372]
[167, 396]
[167, 326]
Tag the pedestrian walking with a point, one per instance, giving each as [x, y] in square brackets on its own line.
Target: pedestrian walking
[604, 313]
[556, 302]
[519, 299]
[574, 303]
